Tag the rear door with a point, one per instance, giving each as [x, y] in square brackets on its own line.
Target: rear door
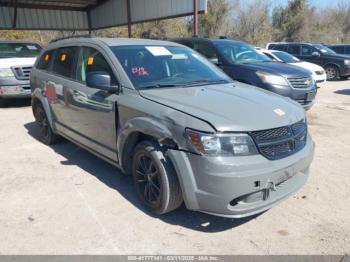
[92, 116]
[59, 80]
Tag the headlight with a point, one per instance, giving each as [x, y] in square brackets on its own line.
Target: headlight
[221, 144]
[346, 62]
[6, 72]
[272, 79]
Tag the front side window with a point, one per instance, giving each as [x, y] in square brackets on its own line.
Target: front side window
[307, 50]
[63, 62]
[238, 53]
[164, 66]
[90, 60]
[8, 50]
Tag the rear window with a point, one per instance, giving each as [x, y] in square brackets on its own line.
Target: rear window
[63, 62]
[8, 50]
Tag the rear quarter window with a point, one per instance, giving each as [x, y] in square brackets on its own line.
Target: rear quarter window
[45, 60]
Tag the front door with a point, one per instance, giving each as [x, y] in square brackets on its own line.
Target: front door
[93, 118]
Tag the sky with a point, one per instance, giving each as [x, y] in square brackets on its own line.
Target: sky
[322, 3]
[316, 3]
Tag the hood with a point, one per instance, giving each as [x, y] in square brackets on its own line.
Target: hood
[282, 69]
[17, 61]
[339, 56]
[230, 107]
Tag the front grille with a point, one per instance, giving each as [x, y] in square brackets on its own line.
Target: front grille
[319, 72]
[300, 82]
[281, 142]
[22, 72]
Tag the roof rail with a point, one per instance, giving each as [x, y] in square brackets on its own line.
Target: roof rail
[72, 36]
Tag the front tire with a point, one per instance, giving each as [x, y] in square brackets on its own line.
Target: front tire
[155, 179]
[46, 134]
[332, 73]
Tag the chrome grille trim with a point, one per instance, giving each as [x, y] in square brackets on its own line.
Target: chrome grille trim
[22, 72]
[300, 82]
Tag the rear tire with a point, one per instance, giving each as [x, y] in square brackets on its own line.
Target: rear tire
[332, 73]
[155, 179]
[47, 136]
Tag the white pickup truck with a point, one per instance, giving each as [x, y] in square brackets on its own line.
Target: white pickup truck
[16, 62]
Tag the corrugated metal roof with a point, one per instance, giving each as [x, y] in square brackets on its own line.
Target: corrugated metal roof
[88, 14]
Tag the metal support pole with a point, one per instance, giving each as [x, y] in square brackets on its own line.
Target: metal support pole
[195, 17]
[129, 18]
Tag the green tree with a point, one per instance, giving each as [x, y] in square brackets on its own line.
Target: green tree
[290, 21]
[216, 21]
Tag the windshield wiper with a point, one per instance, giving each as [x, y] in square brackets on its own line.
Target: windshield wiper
[159, 86]
[206, 81]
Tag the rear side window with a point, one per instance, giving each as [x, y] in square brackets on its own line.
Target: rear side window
[294, 49]
[64, 59]
[91, 60]
[206, 50]
[45, 60]
[276, 47]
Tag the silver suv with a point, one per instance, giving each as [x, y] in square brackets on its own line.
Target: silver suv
[164, 114]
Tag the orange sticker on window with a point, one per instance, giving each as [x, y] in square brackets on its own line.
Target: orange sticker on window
[46, 58]
[90, 60]
[63, 57]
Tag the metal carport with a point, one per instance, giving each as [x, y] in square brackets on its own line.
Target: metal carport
[88, 15]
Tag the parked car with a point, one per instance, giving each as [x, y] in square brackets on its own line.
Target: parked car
[182, 128]
[336, 65]
[340, 49]
[318, 73]
[16, 62]
[243, 63]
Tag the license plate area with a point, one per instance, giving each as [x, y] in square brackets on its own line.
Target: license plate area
[310, 96]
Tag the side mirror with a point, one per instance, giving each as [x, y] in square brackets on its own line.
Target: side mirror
[101, 80]
[315, 54]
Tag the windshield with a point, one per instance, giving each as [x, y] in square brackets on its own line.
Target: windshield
[167, 66]
[285, 57]
[8, 50]
[238, 53]
[325, 50]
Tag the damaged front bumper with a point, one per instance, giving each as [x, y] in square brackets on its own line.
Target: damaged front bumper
[240, 186]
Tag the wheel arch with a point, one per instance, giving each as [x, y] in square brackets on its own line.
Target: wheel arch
[138, 130]
[38, 97]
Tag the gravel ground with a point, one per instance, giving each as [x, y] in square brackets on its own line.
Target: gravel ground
[63, 200]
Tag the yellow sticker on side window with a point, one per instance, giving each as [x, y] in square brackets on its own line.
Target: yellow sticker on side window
[90, 60]
[63, 57]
